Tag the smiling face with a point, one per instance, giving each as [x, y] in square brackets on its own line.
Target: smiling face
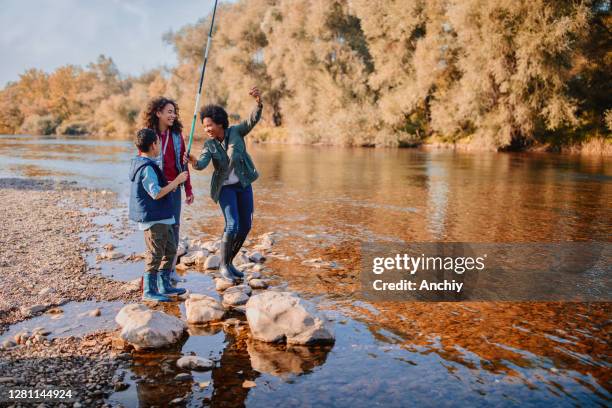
[213, 130]
[166, 116]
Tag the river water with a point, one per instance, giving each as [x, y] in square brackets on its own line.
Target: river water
[323, 202]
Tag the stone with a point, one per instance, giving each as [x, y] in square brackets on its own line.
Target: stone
[111, 255]
[211, 246]
[203, 309]
[240, 288]
[95, 313]
[258, 268]
[258, 284]
[257, 257]
[108, 247]
[183, 377]
[189, 259]
[241, 259]
[148, 329]
[133, 284]
[194, 363]
[46, 291]
[120, 386]
[181, 267]
[234, 298]
[182, 247]
[30, 310]
[283, 316]
[7, 344]
[212, 262]
[253, 275]
[222, 284]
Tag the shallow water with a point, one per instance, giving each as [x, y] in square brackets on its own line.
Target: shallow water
[323, 202]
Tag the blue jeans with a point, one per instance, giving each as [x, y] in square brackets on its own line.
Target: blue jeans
[237, 206]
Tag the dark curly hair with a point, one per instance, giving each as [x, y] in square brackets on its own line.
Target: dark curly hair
[216, 113]
[156, 105]
[144, 139]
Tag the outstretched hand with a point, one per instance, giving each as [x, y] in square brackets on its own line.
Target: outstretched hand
[256, 93]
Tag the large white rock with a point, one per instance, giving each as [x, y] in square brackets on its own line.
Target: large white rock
[282, 316]
[203, 309]
[144, 328]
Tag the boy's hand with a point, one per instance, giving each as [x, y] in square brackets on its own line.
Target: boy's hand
[181, 178]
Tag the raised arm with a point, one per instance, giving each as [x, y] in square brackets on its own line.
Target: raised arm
[245, 127]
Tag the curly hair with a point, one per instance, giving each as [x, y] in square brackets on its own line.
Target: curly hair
[216, 113]
[150, 118]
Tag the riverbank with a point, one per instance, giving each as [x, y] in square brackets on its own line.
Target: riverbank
[594, 146]
[43, 267]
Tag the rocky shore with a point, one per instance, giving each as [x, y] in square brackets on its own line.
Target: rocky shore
[42, 267]
[49, 231]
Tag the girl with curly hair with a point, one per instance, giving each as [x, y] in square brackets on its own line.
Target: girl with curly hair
[162, 115]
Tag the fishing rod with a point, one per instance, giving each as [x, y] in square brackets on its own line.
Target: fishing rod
[197, 101]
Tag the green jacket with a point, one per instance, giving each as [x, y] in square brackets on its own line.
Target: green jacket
[231, 153]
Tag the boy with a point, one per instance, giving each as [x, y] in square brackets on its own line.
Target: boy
[150, 208]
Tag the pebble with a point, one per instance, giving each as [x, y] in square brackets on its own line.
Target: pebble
[222, 284]
[95, 313]
[194, 363]
[183, 377]
[258, 284]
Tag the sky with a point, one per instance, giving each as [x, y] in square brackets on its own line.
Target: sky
[47, 34]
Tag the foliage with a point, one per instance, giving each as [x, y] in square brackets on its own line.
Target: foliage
[506, 74]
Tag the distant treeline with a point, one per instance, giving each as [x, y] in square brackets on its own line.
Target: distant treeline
[501, 74]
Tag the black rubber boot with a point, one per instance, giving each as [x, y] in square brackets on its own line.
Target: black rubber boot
[225, 251]
[238, 241]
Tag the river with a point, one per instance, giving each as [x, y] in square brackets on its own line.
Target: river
[323, 202]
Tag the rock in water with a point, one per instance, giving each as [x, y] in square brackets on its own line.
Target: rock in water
[236, 295]
[194, 363]
[203, 309]
[95, 313]
[212, 262]
[277, 316]
[148, 329]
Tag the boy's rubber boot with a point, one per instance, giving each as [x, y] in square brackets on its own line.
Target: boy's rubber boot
[226, 253]
[165, 287]
[238, 241]
[150, 291]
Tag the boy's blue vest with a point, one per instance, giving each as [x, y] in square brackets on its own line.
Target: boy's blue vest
[142, 207]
